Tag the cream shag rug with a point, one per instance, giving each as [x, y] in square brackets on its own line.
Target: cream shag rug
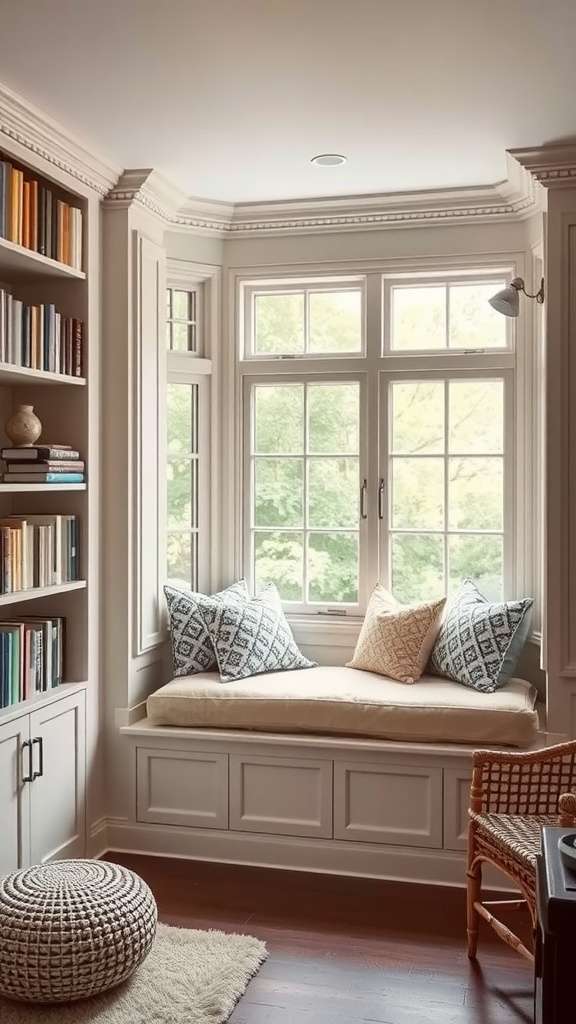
[189, 977]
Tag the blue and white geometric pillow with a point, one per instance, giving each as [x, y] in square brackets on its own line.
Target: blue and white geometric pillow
[479, 641]
[252, 637]
[192, 649]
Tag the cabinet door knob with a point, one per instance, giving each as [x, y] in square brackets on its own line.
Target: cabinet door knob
[40, 772]
[28, 777]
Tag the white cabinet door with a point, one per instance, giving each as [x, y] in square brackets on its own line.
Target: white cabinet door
[14, 795]
[57, 793]
[282, 796]
[388, 803]
[181, 787]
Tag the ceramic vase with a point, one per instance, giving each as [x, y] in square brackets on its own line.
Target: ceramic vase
[23, 427]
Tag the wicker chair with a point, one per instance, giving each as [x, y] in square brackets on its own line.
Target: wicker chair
[512, 796]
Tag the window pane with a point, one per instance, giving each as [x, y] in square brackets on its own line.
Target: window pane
[278, 323]
[417, 567]
[475, 497]
[417, 417]
[182, 560]
[333, 418]
[335, 321]
[333, 492]
[418, 494]
[278, 558]
[181, 411]
[333, 568]
[182, 493]
[418, 317]
[181, 338]
[473, 321]
[476, 410]
[308, 492]
[182, 305]
[278, 492]
[278, 419]
[479, 559]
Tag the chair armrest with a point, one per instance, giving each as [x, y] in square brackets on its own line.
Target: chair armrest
[522, 782]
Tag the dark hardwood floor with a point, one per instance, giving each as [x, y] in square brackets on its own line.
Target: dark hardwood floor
[346, 950]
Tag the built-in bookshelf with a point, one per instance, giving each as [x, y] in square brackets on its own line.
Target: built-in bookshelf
[48, 603]
[43, 336]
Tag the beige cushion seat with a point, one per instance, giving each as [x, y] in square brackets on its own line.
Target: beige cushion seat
[345, 701]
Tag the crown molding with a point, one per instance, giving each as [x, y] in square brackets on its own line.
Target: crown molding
[36, 132]
[553, 166]
[514, 199]
[150, 189]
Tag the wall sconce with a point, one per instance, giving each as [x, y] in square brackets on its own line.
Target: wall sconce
[508, 300]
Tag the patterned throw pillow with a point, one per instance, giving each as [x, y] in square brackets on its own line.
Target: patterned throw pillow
[192, 649]
[395, 639]
[252, 637]
[479, 641]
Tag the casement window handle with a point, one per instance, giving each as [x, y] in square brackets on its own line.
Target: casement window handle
[363, 500]
[27, 745]
[381, 490]
[38, 774]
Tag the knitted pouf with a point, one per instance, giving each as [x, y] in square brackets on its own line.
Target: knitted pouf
[71, 929]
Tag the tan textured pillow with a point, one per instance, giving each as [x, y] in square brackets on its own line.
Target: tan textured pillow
[396, 640]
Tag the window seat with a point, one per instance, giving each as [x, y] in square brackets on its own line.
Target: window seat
[326, 769]
[347, 702]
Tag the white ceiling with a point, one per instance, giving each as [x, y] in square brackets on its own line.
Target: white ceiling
[230, 99]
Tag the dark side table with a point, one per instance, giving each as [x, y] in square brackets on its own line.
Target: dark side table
[555, 946]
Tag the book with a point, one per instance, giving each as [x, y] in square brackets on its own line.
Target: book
[3, 186]
[13, 687]
[45, 478]
[48, 466]
[40, 453]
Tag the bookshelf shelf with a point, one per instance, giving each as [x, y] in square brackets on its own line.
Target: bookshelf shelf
[11, 374]
[39, 700]
[37, 488]
[27, 263]
[38, 592]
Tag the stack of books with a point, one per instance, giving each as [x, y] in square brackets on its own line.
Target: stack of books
[43, 464]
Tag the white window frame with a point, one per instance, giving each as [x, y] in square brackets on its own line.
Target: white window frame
[198, 368]
[506, 375]
[296, 285]
[521, 570]
[341, 376]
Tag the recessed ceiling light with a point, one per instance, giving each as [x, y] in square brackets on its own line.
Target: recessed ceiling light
[328, 159]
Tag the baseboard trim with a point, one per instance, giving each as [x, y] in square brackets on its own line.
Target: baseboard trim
[399, 863]
[97, 838]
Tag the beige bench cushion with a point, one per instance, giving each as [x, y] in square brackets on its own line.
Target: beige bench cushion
[349, 702]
